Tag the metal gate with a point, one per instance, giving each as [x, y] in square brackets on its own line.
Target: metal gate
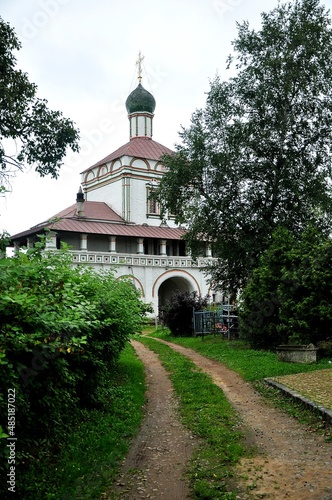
[222, 321]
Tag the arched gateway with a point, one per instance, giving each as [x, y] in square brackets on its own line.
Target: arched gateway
[171, 281]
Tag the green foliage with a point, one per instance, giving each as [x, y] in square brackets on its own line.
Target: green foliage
[4, 242]
[177, 314]
[258, 155]
[289, 296]
[88, 459]
[62, 329]
[3, 435]
[42, 134]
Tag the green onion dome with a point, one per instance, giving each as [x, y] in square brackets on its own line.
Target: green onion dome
[140, 100]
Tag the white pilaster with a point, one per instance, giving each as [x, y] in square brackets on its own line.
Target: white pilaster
[84, 242]
[208, 250]
[112, 244]
[140, 248]
[163, 247]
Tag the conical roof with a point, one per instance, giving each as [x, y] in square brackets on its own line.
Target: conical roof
[140, 100]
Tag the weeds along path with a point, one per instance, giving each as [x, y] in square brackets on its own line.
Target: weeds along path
[291, 463]
[156, 462]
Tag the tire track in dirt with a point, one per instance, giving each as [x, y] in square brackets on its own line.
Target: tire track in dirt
[155, 465]
[291, 463]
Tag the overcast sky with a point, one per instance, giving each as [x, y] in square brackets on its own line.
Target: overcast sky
[82, 54]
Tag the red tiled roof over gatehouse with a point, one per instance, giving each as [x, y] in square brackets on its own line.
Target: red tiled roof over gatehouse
[99, 218]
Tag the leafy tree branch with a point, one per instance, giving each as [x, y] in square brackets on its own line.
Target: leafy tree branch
[41, 135]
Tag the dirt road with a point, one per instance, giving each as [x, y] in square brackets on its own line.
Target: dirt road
[156, 462]
[291, 463]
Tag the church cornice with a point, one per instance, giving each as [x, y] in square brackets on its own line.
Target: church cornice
[138, 147]
[96, 183]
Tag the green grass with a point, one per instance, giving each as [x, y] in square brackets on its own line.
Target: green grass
[207, 413]
[88, 461]
[254, 366]
[251, 365]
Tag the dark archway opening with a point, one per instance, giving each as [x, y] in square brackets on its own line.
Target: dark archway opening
[168, 287]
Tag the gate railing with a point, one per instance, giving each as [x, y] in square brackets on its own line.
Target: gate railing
[221, 321]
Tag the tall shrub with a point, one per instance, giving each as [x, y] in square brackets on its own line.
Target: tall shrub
[178, 312]
[61, 331]
[289, 297]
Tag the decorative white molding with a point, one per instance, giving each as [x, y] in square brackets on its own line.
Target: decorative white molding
[171, 262]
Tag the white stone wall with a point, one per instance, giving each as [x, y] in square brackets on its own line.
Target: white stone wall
[123, 185]
[128, 197]
[151, 278]
[149, 273]
[110, 194]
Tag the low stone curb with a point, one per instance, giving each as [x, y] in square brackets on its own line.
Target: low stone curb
[311, 405]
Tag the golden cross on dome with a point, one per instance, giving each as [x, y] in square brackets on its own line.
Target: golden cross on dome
[139, 66]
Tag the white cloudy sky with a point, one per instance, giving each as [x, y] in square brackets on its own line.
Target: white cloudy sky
[82, 53]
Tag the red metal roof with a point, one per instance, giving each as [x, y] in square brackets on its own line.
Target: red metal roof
[92, 210]
[138, 147]
[100, 219]
[88, 227]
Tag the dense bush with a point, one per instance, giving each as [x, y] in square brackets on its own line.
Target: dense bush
[289, 297]
[61, 330]
[177, 314]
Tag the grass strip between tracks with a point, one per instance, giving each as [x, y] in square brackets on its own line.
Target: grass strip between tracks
[207, 413]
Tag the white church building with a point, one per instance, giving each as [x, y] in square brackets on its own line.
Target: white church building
[114, 224]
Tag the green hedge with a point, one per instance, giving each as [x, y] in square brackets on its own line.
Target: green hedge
[61, 329]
